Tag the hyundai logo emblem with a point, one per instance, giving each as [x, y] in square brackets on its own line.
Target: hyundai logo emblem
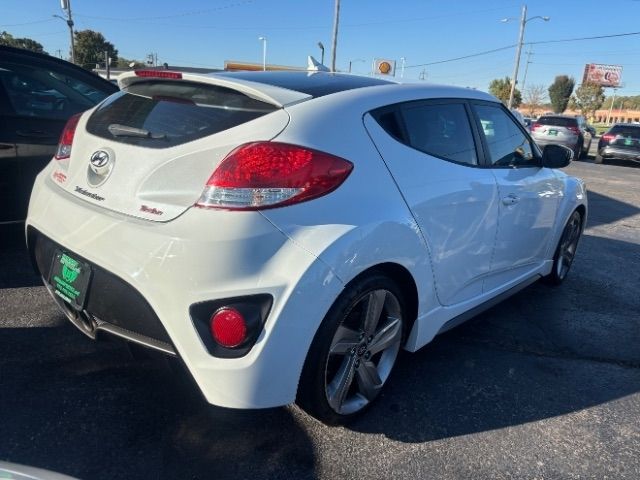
[100, 167]
[99, 159]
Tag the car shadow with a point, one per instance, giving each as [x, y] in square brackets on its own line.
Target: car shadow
[604, 210]
[88, 410]
[15, 266]
[543, 353]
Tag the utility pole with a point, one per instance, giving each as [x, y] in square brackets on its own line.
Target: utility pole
[402, 59]
[66, 6]
[107, 64]
[423, 74]
[334, 41]
[523, 21]
[526, 69]
[613, 100]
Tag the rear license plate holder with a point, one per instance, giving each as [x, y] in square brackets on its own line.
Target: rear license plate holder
[69, 278]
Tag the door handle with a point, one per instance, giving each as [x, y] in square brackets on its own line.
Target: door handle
[510, 199]
[34, 134]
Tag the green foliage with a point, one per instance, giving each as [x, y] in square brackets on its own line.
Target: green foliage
[560, 92]
[588, 98]
[630, 102]
[125, 62]
[501, 88]
[28, 44]
[90, 48]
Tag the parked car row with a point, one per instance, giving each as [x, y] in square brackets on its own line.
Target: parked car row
[38, 94]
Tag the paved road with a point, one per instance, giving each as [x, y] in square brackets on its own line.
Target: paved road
[545, 385]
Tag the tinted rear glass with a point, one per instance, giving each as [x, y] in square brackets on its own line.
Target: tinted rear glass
[558, 121]
[316, 84]
[625, 131]
[173, 112]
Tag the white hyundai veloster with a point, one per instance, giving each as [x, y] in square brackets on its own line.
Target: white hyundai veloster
[287, 233]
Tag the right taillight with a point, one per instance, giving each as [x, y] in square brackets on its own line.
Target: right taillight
[607, 137]
[270, 174]
[535, 125]
[66, 139]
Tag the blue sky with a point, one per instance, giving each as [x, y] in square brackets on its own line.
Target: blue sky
[208, 32]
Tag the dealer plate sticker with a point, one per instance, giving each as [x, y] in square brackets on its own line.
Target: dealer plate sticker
[69, 278]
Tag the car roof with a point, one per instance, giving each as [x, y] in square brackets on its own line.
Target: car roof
[315, 84]
[279, 88]
[42, 59]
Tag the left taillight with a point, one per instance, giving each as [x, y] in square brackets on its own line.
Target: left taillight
[66, 139]
[263, 175]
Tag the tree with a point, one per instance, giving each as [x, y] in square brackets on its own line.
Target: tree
[126, 63]
[90, 48]
[534, 98]
[501, 88]
[27, 43]
[588, 98]
[560, 92]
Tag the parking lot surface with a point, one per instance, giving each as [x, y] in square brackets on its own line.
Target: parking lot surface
[544, 385]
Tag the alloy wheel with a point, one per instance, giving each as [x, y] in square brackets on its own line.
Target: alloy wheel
[363, 352]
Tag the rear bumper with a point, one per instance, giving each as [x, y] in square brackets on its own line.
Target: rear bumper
[619, 153]
[542, 142]
[202, 255]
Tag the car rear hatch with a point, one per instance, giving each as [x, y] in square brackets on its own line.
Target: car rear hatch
[556, 129]
[625, 138]
[148, 150]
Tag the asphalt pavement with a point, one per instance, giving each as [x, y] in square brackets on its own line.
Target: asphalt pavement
[544, 385]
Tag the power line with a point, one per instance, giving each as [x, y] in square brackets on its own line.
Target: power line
[27, 23]
[584, 38]
[486, 52]
[177, 15]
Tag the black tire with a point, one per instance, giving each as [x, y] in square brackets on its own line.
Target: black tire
[350, 375]
[566, 250]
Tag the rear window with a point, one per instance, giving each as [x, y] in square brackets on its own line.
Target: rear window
[558, 121]
[625, 131]
[162, 114]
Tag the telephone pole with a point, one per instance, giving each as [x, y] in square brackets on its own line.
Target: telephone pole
[334, 42]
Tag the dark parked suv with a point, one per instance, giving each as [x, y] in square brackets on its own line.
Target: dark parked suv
[38, 94]
[621, 142]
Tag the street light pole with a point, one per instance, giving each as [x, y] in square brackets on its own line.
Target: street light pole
[321, 47]
[264, 52]
[402, 59]
[523, 22]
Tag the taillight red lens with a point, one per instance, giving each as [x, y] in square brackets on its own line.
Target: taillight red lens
[158, 74]
[535, 125]
[228, 327]
[66, 139]
[575, 130]
[607, 137]
[269, 174]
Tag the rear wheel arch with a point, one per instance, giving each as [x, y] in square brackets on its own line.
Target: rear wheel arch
[403, 278]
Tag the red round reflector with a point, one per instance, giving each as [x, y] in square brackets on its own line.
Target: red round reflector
[228, 327]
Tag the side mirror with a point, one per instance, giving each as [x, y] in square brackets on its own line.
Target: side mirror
[556, 156]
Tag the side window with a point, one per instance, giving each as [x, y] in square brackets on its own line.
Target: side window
[508, 146]
[42, 93]
[442, 130]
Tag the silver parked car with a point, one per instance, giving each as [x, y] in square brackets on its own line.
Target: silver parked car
[564, 130]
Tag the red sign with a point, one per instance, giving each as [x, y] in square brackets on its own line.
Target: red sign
[603, 75]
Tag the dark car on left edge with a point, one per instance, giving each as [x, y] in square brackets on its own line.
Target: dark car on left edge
[38, 94]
